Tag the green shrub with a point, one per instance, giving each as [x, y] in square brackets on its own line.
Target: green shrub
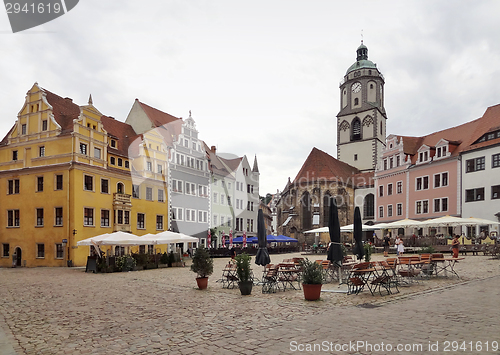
[164, 258]
[312, 272]
[427, 250]
[243, 266]
[125, 263]
[368, 251]
[203, 264]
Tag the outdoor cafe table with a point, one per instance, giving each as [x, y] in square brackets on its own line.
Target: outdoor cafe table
[443, 265]
[287, 275]
[365, 275]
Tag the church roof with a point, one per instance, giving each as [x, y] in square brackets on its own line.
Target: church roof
[320, 165]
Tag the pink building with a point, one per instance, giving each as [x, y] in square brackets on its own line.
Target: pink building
[420, 177]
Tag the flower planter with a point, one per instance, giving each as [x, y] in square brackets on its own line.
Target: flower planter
[202, 282]
[312, 292]
[245, 287]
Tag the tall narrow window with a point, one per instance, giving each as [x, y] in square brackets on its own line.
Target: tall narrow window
[59, 182]
[83, 149]
[39, 217]
[140, 220]
[356, 129]
[104, 218]
[58, 221]
[41, 151]
[39, 183]
[44, 125]
[40, 250]
[88, 216]
[88, 183]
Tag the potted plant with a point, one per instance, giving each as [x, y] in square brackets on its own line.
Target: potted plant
[244, 273]
[203, 266]
[312, 279]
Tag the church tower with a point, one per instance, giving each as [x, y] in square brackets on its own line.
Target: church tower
[362, 118]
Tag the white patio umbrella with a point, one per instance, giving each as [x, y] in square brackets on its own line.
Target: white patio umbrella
[448, 221]
[403, 223]
[347, 229]
[472, 221]
[92, 240]
[365, 228]
[122, 238]
[167, 237]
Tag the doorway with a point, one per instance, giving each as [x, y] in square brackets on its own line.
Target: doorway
[18, 256]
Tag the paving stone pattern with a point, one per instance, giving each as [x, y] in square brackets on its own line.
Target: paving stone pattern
[68, 311]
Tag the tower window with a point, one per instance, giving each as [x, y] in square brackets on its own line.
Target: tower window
[355, 157]
[356, 129]
[356, 101]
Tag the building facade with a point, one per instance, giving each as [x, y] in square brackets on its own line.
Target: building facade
[67, 177]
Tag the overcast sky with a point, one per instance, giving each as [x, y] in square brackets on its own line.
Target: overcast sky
[261, 77]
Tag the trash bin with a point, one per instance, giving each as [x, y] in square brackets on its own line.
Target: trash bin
[70, 263]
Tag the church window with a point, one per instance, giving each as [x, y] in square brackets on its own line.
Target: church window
[356, 101]
[355, 157]
[306, 210]
[369, 207]
[326, 208]
[371, 86]
[356, 129]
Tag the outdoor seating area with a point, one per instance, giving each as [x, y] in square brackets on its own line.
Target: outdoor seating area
[282, 276]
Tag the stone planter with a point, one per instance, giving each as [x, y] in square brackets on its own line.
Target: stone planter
[245, 287]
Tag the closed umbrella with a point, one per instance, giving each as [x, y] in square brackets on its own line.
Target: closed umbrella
[358, 234]
[244, 239]
[262, 258]
[335, 250]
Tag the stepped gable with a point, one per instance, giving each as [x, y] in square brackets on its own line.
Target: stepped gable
[123, 132]
[320, 165]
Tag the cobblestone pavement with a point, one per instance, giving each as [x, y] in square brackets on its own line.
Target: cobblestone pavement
[66, 311]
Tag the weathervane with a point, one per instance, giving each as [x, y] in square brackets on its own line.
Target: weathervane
[361, 36]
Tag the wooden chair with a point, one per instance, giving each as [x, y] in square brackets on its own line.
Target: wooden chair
[270, 279]
[387, 279]
[355, 283]
[408, 270]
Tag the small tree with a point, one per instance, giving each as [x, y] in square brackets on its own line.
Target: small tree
[203, 264]
[243, 267]
[312, 272]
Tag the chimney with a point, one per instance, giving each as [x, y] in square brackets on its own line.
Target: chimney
[213, 149]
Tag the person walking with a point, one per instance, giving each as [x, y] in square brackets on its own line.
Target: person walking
[455, 244]
[400, 248]
[387, 243]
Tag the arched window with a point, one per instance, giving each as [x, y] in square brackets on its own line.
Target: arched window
[369, 207]
[356, 129]
[326, 209]
[120, 188]
[305, 204]
[356, 101]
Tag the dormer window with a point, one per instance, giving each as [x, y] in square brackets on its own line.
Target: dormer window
[113, 143]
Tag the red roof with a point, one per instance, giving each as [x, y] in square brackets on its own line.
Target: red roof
[461, 137]
[64, 110]
[157, 117]
[123, 132]
[320, 165]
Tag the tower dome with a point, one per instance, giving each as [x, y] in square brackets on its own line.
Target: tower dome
[361, 60]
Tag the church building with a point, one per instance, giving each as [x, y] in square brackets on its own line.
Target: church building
[361, 129]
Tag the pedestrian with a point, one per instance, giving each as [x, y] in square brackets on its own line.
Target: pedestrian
[387, 242]
[400, 248]
[455, 244]
[233, 253]
[14, 259]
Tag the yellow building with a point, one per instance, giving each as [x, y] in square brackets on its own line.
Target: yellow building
[68, 173]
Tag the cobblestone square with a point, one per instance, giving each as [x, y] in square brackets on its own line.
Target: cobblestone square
[68, 311]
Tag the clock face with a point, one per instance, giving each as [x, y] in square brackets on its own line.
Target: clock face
[356, 87]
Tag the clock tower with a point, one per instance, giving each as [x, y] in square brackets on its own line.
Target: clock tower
[362, 118]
